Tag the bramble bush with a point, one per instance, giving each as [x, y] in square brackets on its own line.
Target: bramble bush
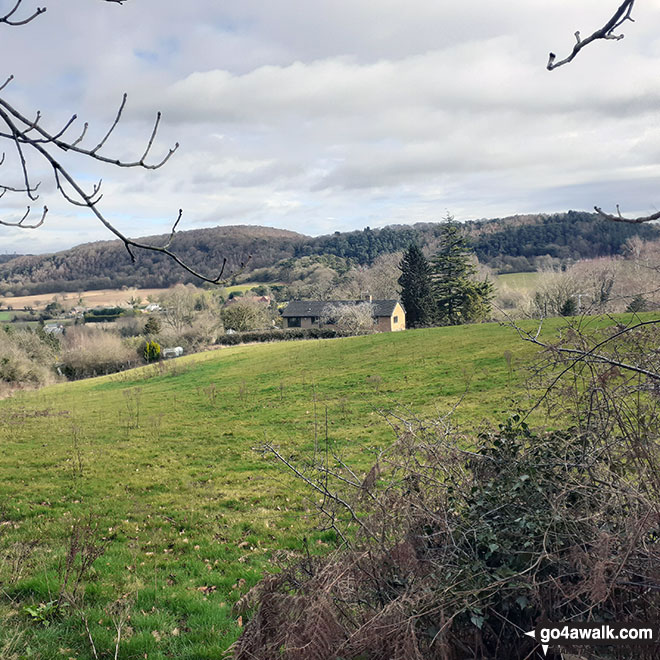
[27, 357]
[453, 545]
[93, 351]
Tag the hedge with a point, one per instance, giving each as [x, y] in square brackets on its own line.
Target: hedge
[277, 335]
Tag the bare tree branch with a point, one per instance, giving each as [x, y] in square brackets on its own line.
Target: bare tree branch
[619, 218]
[31, 139]
[622, 14]
[7, 18]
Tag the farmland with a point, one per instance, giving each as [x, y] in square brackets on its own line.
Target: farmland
[100, 298]
[520, 281]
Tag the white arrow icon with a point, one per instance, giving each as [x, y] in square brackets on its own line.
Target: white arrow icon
[545, 647]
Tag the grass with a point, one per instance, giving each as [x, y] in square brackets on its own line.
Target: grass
[165, 461]
[521, 281]
[243, 288]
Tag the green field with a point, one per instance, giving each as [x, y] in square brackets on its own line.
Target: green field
[166, 462]
[523, 281]
[246, 287]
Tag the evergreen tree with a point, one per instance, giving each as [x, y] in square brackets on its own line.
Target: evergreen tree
[458, 296]
[416, 292]
[569, 308]
[152, 326]
[637, 304]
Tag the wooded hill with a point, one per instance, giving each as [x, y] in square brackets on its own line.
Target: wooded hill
[510, 245]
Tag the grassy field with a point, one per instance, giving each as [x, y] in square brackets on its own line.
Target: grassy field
[166, 463]
[246, 287]
[521, 281]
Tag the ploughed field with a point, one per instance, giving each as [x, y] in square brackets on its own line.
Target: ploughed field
[161, 465]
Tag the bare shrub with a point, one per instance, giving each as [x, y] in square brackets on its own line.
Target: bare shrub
[25, 358]
[246, 315]
[203, 331]
[555, 289]
[130, 326]
[91, 351]
[350, 319]
[511, 301]
[599, 284]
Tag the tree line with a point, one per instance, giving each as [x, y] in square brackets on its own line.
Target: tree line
[516, 244]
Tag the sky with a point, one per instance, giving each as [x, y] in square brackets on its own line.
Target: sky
[332, 115]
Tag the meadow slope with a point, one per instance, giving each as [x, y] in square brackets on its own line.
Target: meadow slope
[164, 463]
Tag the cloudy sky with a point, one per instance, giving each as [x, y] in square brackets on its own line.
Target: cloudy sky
[325, 115]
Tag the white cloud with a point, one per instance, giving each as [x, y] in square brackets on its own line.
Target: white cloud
[292, 113]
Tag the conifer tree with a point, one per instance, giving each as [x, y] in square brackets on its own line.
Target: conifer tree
[416, 292]
[458, 296]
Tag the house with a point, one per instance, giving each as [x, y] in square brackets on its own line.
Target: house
[388, 314]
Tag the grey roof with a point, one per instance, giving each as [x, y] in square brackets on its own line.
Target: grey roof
[304, 308]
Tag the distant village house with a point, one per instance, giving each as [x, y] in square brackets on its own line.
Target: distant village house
[388, 314]
[54, 329]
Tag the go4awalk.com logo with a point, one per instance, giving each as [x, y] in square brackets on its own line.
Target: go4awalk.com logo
[549, 634]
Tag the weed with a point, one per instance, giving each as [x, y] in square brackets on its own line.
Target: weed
[17, 558]
[132, 401]
[77, 468]
[243, 392]
[155, 425]
[46, 613]
[85, 546]
[211, 393]
[375, 380]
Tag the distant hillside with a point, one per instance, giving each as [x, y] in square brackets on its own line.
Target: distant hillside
[508, 244]
[107, 265]
[512, 244]
[4, 258]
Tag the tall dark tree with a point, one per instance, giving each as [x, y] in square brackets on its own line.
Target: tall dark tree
[459, 297]
[416, 290]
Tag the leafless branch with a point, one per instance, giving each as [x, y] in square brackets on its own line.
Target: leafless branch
[620, 16]
[7, 18]
[620, 218]
[32, 141]
[4, 84]
[323, 490]
[586, 355]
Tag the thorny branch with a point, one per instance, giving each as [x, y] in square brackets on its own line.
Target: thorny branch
[592, 355]
[622, 14]
[30, 139]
